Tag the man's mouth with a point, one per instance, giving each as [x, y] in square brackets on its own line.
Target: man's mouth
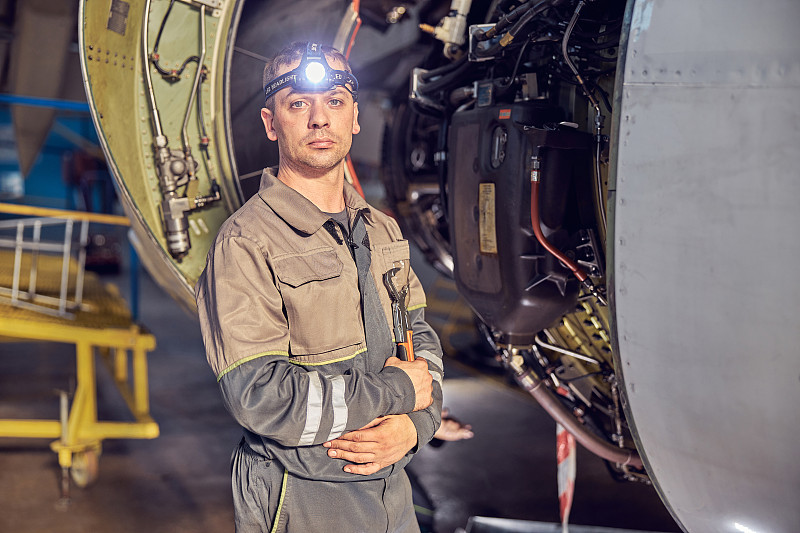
[324, 142]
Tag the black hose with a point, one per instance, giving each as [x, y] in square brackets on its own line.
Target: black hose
[161, 28]
[517, 27]
[441, 71]
[444, 81]
[155, 57]
[503, 23]
[516, 67]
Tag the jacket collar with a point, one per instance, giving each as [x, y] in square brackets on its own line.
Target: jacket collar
[297, 210]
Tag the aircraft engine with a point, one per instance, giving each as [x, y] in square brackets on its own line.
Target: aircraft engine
[609, 183]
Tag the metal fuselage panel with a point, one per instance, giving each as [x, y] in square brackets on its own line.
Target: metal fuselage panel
[112, 62]
[704, 244]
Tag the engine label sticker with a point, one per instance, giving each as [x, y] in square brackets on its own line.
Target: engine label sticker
[486, 219]
[504, 114]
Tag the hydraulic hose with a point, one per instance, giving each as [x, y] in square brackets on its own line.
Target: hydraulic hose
[536, 388]
[537, 230]
[503, 23]
[445, 69]
[517, 27]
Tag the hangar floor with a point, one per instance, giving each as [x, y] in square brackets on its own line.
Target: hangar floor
[180, 481]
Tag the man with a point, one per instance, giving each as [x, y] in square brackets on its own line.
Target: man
[297, 323]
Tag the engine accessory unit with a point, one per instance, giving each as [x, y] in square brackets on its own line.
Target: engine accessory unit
[508, 278]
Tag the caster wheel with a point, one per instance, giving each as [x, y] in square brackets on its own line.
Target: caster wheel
[85, 467]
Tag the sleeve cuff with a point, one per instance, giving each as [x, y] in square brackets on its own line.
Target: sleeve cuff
[425, 425]
[399, 381]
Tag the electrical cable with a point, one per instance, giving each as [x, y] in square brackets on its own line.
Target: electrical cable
[174, 74]
[196, 85]
[516, 66]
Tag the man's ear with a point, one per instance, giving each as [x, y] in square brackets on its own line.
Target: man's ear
[266, 118]
[356, 126]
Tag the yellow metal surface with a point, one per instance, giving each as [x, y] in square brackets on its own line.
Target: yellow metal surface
[113, 66]
[104, 326]
[29, 210]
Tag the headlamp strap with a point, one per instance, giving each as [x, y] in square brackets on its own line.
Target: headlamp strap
[297, 76]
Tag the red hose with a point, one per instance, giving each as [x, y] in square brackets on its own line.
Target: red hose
[355, 6]
[351, 171]
[537, 230]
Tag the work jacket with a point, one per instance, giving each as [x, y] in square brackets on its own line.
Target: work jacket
[281, 316]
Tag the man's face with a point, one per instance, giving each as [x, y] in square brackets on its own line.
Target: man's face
[313, 129]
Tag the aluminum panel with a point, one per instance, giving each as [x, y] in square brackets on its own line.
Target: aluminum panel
[704, 221]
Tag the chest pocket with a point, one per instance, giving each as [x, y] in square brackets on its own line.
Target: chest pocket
[322, 305]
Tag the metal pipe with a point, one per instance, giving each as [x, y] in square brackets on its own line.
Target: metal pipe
[17, 261]
[84, 241]
[37, 234]
[564, 351]
[598, 119]
[148, 80]
[62, 305]
[536, 388]
[565, 42]
[599, 184]
[184, 136]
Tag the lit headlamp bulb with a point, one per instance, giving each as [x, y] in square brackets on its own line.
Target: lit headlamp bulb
[315, 72]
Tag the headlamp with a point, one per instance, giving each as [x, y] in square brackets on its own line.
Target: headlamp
[313, 74]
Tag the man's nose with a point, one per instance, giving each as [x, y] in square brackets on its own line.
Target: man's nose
[318, 116]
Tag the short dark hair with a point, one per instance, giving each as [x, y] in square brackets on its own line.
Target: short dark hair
[291, 53]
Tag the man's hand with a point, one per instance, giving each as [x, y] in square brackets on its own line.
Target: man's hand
[382, 442]
[417, 371]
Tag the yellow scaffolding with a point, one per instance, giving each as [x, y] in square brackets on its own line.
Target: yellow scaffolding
[102, 325]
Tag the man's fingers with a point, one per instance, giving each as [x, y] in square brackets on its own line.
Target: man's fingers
[351, 446]
[373, 423]
[353, 457]
[364, 470]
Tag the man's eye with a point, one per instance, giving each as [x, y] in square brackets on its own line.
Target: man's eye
[336, 102]
[298, 104]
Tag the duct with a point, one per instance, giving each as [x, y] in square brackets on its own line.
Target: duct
[43, 31]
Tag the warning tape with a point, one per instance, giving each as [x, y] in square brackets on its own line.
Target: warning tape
[565, 455]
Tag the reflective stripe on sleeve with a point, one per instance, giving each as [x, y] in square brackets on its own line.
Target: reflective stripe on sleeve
[432, 357]
[340, 412]
[313, 410]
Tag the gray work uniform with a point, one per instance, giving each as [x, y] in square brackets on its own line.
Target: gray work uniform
[295, 320]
